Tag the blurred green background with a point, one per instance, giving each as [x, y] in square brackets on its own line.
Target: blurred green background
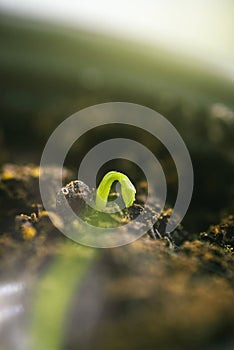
[52, 67]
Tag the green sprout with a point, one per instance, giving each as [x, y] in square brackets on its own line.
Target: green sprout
[127, 189]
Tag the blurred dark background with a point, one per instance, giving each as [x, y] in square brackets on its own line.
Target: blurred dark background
[50, 70]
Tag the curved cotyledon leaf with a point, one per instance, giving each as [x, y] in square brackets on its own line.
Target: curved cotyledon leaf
[127, 189]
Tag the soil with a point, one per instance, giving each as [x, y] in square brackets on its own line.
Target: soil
[159, 292]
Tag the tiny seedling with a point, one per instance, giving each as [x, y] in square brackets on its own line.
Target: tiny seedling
[127, 189]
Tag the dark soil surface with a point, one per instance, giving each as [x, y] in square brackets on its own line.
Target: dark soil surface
[159, 292]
